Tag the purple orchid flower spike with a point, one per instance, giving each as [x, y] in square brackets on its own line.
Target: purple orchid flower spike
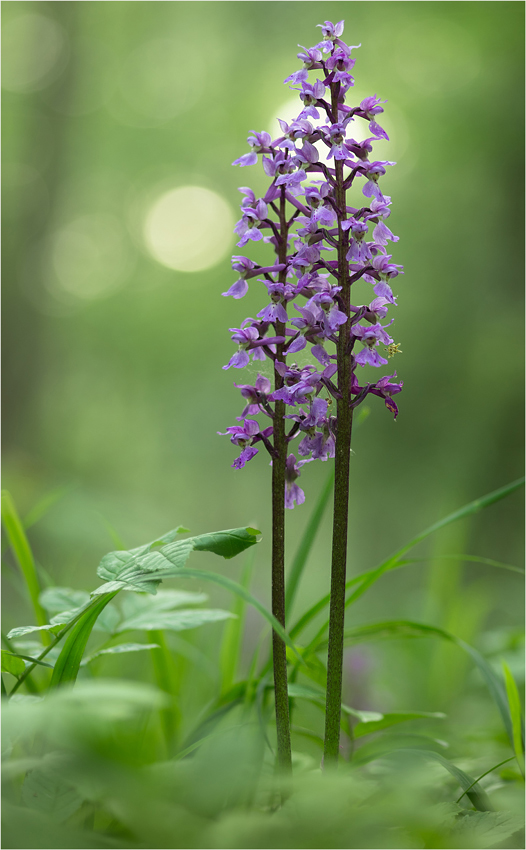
[324, 218]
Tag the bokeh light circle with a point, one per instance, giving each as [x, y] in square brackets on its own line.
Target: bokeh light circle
[34, 50]
[189, 229]
[91, 256]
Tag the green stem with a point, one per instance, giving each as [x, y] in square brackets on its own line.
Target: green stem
[279, 655]
[341, 483]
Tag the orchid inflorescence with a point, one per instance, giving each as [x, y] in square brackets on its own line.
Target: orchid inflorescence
[301, 218]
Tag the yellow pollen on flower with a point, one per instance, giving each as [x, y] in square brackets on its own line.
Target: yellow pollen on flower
[393, 349]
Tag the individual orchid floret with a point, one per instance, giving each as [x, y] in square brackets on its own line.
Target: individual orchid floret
[293, 493]
[331, 36]
[373, 172]
[241, 436]
[371, 337]
[259, 143]
[248, 339]
[336, 137]
[370, 107]
[316, 195]
[310, 95]
[279, 293]
[248, 226]
[256, 396]
[385, 389]
[384, 270]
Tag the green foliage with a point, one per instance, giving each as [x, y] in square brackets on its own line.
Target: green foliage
[12, 664]
[119, 763]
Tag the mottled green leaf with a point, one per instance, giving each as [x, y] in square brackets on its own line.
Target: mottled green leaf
[176, 621]
[392, 719]
[118, 649]
[55, 600]
[12, 664]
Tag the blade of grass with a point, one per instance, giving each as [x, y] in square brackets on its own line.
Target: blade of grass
[22, 550]
[300, 560]
[236, 588]
[410, 629]
[482, 775]
[68, 663]
[233, 632]
[31, 685]
[393, 562]
[514, 703]
[166, 679]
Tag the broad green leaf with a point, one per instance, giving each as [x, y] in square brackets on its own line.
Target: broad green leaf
[118, 649]
[233, 633]
[12, 664]
[309, 535]
[20, 545]
[392, 719]
[514, 703]
[487, 829]
[236, 588]
[133, 604]
[68, 663]
[176, 621]
[143, 568]
[46, 791]
[56, 600]
[26, 630]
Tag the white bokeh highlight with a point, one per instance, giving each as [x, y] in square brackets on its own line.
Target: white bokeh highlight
[189, 229]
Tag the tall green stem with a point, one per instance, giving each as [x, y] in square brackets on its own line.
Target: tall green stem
[279, 656]
[341, 482]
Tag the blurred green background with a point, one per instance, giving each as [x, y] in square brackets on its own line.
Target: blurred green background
[115, 330]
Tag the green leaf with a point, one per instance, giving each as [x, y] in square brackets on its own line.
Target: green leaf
[233, 633]
[143, 568]
[68, 663]
[317, 695]
[54, 628]
[514, 703]
[366, 580]
[133, 604]
[46, 791]
[12, 664]
[309, 535]
[475, 793]
[236, 588]
[20, 545]
[56, 600]
[31, 659]
[118, 649]
[392, 719]
[486, 829]
[176, 621]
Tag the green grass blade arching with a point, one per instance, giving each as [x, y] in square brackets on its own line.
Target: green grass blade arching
[393, 562]
[467, 510]
[233, 633]
[302, 554]
[20, 545]
[68, 663]
[407, 628]
[236, 588]
[514, 703]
